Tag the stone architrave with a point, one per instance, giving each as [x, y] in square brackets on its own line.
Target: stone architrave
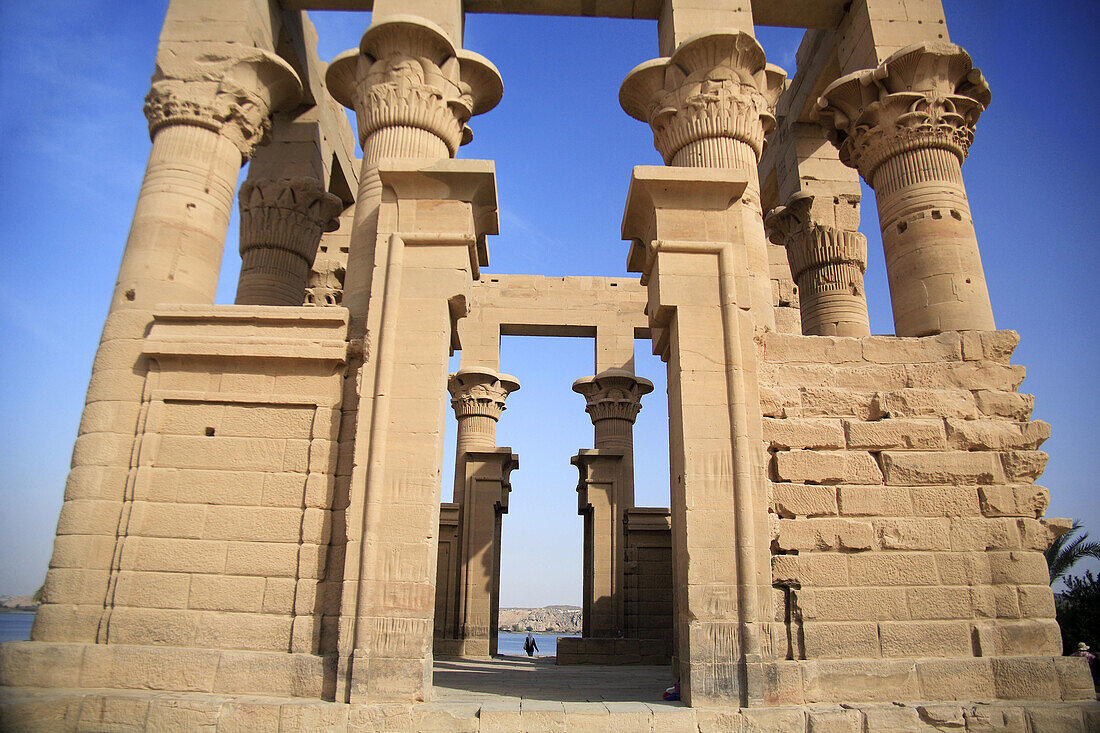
[481, 491]
[281, 225]
[606, 491]
[827, 262]
[907, 126]
[710, 105]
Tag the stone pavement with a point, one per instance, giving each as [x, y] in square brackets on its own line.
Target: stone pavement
[514, 678]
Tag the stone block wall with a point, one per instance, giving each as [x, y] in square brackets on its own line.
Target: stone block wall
[648, 582]
[906, 525]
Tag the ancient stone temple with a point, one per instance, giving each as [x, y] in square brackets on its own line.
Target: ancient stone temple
[255, 535]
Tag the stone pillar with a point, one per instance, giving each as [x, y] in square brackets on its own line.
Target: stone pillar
[413, 92]
[685, 228]
[613, 400]
[710, 105]
[203, 126]
[433, 220]
[907, 126]
[485, 500]
[828, 258]
[281, 225]
[606, 492]
[477, 396]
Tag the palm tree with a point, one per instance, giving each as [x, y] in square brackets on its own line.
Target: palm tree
[1067, 551]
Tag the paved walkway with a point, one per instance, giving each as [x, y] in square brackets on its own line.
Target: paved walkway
[539, 678]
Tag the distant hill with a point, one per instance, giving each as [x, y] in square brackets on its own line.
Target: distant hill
[17, 603]
[548, 619]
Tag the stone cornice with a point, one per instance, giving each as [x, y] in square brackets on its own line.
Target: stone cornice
[479, 391]
[927, 95]
[715, 85]
[231, 91]
[615, 394]
[407, 73]
[286, 213]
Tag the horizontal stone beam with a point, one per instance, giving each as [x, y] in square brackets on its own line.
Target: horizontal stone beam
[788, 13]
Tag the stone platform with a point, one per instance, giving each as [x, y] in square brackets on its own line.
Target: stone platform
[510, 694]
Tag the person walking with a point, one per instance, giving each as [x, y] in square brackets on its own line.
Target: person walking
[529, 645]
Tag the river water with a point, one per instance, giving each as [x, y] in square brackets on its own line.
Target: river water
[16, 626]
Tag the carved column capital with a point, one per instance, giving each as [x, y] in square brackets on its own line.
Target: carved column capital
[812, 238]
[715, 85]
[286, 213]
[230, 93]
[480, 392]
[325, 285]
[925, 96]
[281, 224]
[827, 258]
[407, 73]
[615, 394]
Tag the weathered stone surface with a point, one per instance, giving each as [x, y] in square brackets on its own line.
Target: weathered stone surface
[813, 467]
[931, 469]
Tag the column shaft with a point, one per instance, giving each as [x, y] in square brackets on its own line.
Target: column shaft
[935, 270]
[907, 125]
[174, 250]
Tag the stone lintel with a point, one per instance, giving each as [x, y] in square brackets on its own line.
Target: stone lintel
[784, 13]
[471, 182]
[647, 518]
[660, 196]
[234, 331]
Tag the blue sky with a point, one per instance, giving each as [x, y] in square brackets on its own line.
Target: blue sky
[73, 146]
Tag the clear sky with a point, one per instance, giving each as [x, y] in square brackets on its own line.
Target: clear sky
[73, 147]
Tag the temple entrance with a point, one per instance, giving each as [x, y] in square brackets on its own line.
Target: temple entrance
[548, 533]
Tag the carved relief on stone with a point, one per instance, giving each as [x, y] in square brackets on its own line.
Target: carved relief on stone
[814, 244]
[478, 391]
[286, 213]
[927, 95]
[716, 85]
[325, 286]
[223, 91]
[615, 394]
[407, 73]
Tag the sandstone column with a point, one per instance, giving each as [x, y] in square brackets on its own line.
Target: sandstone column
[828, 258]
[281, 225]
[614, 398]
[477, 396]
[710, 105]
[907, 126]
[205, 119]
[413, 92]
